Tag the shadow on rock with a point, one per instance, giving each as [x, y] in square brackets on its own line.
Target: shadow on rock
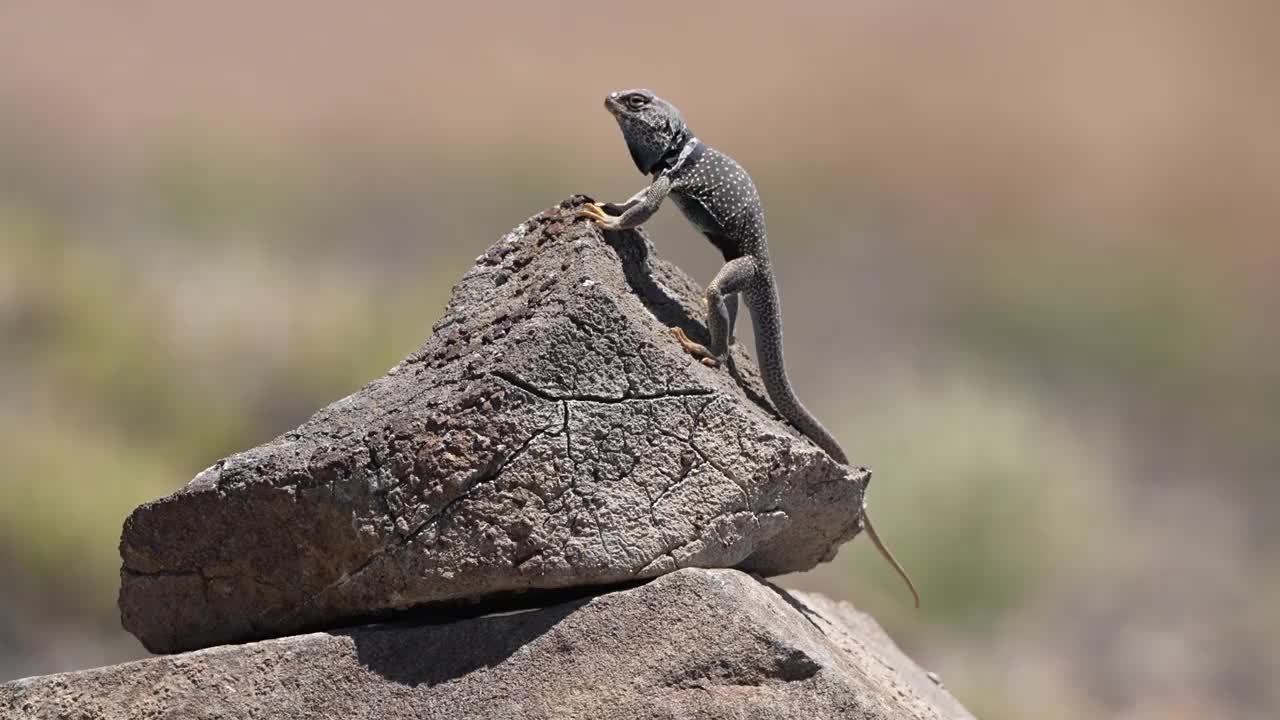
[633, 253]
[422, 654]
[795, 602]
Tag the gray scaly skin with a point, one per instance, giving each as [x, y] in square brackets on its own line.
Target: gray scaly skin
[719, 198]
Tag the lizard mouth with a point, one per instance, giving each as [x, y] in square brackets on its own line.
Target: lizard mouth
[611, 104]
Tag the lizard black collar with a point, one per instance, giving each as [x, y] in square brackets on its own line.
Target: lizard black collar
[687, 150]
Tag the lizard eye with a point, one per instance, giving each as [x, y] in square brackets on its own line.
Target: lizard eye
[635, 102]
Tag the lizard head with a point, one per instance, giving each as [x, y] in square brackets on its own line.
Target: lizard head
[652, 127]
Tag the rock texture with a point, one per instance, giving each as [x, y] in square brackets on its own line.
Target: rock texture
[692, 644]
[549, 434]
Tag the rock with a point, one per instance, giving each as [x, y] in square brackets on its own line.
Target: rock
[549, 434]
[694, 643]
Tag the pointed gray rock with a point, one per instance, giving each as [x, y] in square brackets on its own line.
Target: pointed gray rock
[549, 434]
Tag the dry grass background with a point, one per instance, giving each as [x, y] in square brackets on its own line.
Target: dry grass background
[1027, 252]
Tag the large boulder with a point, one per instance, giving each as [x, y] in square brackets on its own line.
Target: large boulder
[692, 644]
[549, 434]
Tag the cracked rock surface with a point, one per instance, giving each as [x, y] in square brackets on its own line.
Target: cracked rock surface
[692, 644]
[550, 434]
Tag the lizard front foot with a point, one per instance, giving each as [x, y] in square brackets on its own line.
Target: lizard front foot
[697, 350]
[596, 212]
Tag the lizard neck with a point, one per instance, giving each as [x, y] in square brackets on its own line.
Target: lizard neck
[684, 148]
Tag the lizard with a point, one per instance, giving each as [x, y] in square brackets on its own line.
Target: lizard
[719, 198]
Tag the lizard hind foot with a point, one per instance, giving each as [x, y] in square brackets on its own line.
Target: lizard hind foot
[697, 350]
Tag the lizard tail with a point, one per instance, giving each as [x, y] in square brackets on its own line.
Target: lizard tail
[766, 319]
[888, 556]
[766, 315]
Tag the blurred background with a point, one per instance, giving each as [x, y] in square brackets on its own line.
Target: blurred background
[1028, 254]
